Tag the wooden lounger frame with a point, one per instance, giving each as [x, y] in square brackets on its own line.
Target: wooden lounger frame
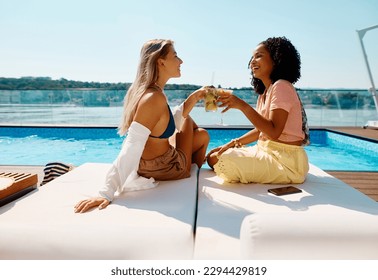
[23, 183]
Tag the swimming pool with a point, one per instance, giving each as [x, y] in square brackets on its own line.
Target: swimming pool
[39, 145]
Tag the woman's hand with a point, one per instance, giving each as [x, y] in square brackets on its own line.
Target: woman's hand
[200, 93]
[213, 156]
[228, 100]
[87, 204]
[192, 99]
[220, 150]
[213, 151]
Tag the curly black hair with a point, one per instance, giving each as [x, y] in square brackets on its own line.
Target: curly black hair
[286, 60]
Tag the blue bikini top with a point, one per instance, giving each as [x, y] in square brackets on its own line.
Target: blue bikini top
[170, 128]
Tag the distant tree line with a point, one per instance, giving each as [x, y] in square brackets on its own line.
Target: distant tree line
[104, 94]
[46, 83]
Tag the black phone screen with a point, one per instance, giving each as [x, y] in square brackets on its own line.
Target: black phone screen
[284, 190]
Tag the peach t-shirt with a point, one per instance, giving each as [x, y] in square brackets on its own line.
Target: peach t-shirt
[282, 95]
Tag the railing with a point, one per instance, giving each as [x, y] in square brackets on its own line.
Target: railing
[104, 107]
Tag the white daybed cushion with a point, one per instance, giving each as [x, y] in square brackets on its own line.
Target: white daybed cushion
[223, 207]
[151, 224]
[302, 235]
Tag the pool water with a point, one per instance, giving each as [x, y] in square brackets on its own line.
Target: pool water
[75, 145]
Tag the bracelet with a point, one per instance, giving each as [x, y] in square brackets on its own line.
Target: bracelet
[237, 143]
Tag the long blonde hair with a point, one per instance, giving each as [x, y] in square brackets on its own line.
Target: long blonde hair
[147, 76]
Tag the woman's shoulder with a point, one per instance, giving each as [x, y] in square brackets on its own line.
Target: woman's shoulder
[283, 83]
[152, 98]
[284, 90]
[150, 108]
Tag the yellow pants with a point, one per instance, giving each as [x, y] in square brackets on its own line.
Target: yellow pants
[267, 162]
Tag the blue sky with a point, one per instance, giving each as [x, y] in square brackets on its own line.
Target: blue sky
[92, 40]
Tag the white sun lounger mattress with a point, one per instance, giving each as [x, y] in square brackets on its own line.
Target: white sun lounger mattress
[328, 220]
[149, 224]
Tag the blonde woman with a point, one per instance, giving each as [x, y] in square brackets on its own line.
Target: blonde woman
[159, 145]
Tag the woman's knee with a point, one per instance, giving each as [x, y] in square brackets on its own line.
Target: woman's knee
[202, 136]
[212, 159]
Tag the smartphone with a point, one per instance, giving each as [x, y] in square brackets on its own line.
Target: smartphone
[284, 190]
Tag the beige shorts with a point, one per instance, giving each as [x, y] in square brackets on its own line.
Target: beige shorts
[267, 162]
[170, 166]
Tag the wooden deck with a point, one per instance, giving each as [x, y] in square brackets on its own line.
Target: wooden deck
[368, 133]
[366, 182]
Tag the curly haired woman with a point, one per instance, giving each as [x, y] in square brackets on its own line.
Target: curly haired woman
[280, 123]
